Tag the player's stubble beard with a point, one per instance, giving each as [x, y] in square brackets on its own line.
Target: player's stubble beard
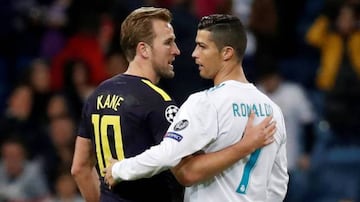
[165, 72]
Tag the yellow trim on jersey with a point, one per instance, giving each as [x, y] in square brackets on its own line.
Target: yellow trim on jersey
[163, 94]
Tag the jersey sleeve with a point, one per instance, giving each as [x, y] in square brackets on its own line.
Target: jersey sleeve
[279, 177]
[194, 127]
[160, 110]
[160, 117]
[83, 125]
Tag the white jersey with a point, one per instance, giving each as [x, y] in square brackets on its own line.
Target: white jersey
[297, 112]
[210, 121]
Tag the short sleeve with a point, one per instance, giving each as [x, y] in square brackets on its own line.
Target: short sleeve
[83, 125]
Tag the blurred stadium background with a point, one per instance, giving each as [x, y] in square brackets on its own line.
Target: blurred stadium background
[53, 53]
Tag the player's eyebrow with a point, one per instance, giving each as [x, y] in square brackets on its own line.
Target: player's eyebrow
[170, 39]
[202, 44]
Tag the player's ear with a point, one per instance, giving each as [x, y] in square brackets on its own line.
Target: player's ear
[144, 49]
[227, 53]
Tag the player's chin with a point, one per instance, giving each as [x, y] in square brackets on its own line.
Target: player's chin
[204, 75]
[169, 74]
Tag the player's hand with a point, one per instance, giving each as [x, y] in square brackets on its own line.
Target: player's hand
[259, 135]
[108, 179]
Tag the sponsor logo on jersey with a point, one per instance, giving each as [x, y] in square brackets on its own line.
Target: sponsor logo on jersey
[174, 136]
[181, 125]
[170, 113]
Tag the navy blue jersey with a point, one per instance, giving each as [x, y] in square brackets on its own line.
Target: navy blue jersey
[123, 117]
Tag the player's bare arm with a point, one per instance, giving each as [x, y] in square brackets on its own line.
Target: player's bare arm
[197, 168]
[83, 170]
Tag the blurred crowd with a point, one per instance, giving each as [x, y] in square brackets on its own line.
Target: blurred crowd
[304, 54]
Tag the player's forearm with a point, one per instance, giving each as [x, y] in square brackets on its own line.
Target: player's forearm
[145, 165]
[158, 158]
[131, 169]
[83, 170]
[197, 168]
[88, 183]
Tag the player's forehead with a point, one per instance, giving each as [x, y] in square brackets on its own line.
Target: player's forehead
[163, 30]
[204, 37]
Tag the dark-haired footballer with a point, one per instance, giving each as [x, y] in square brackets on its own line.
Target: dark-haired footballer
[214, 122]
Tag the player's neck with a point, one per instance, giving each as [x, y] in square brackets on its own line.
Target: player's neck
[234, 72]
[142, 70]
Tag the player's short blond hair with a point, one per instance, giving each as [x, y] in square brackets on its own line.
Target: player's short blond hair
[137, 27]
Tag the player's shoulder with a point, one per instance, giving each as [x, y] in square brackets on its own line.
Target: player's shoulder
[155, 90]
[265, 98]
[229, 87]
[216, 88]
[108, 83]
[105, 87]
[210, 95]
[198, 100]
[119, 80]
[135, 84]
[197, 96]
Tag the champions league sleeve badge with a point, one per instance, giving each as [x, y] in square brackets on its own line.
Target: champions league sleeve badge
[170, 113]
[181, 125]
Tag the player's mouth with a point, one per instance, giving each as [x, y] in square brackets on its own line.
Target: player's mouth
[200, 66]
[170, 63]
